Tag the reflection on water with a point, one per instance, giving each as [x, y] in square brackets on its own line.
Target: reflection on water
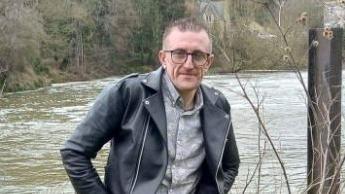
[34, 125]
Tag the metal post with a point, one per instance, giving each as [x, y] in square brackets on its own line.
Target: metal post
[324, 110]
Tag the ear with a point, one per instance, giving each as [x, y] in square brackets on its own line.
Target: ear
[209, 62]
[162, 57]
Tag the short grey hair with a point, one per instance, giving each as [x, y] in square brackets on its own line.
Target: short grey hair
[186, 24]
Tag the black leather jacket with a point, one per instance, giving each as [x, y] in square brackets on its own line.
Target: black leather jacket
[131, 114]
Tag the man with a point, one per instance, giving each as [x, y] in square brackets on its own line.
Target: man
[169, 133]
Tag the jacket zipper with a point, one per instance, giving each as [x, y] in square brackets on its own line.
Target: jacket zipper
[221, 156]
[140, 155]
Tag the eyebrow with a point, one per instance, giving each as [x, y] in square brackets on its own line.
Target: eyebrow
[197, 50]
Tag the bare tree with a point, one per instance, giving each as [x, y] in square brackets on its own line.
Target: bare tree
[3, 71]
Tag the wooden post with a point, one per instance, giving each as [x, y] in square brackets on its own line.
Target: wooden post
[324, 110]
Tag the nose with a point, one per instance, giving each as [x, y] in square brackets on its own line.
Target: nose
[189, 62]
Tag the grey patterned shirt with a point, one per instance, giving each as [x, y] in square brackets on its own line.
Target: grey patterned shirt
[185, 142]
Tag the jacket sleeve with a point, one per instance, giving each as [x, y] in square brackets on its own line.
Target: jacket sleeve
[97, 128]
[231, 160]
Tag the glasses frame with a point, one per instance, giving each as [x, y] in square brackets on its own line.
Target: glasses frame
[188, 53]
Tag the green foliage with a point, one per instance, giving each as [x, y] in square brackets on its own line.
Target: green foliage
[261, 16]
[2, 82]
[99, 11]
[59, 27]
[38, 67]
[170, 10]
[153, 17]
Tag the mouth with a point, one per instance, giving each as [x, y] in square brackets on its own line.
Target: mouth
[188, 74]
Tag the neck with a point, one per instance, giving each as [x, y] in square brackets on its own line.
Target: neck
[188, 99]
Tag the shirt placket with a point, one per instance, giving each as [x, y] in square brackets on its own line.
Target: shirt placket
[174, 140]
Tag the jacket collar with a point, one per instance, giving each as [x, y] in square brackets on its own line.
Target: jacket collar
[153, 79]
[210, 94]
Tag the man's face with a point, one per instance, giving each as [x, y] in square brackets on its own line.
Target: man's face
[186, 76]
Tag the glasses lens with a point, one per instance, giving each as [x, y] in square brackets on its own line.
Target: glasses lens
[199, 58]
[179, 56]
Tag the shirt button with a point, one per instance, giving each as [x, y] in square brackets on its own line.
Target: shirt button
[147, 102]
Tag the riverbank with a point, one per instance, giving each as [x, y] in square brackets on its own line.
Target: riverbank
[31, 79]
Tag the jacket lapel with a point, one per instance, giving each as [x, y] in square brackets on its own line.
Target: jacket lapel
[154, 103]
[215, 123]
[155, 107]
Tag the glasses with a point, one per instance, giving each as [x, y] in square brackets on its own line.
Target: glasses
[180, 56]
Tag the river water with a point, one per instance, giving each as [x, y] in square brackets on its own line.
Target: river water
[34, 125]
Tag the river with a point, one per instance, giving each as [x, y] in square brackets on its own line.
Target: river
[34, 125]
